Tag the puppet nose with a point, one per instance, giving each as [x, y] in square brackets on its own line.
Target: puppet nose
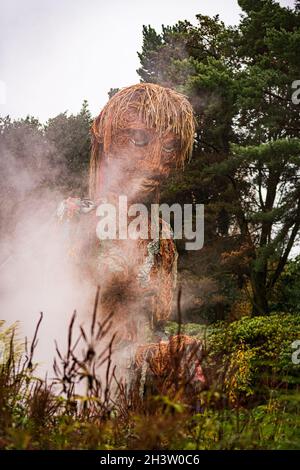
[156, 174]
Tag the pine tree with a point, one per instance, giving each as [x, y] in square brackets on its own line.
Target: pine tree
[245, 165]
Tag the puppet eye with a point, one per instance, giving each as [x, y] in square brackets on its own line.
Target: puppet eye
[170, 147]
[140, 138]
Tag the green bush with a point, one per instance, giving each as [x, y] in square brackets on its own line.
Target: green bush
[231, 414]
[257, 353]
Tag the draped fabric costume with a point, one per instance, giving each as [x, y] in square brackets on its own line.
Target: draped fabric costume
[143, 133]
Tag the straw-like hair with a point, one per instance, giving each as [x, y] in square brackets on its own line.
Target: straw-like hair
[158, 107]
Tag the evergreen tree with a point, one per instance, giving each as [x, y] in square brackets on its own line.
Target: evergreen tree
[245, 165]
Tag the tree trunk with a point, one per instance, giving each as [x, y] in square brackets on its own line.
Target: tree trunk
[259, 301]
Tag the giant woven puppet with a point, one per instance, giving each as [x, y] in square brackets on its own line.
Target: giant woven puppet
[143, 133]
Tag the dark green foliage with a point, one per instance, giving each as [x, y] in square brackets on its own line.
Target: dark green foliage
[69, 138]
[36, 158]
[287, 293]
[268, 343]
[245, 166]
[252, 401]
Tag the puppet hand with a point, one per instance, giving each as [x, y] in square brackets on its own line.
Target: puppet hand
[74, 206]
[86, 205]
[68, 208]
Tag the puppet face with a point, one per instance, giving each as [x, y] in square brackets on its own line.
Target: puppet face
[143, 132]
[140, 161]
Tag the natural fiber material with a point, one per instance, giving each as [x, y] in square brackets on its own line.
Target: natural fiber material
[160, 355]
[161, 109]
[140, 136]
[175, 363]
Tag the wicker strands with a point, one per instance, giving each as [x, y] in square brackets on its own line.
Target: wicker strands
[159, 108]
[160, 356]
[168, 364]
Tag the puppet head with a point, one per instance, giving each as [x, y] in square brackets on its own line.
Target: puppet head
[142, 133]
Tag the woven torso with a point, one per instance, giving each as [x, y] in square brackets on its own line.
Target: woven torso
[137, 278]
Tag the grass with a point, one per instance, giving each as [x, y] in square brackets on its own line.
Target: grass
[236, 410]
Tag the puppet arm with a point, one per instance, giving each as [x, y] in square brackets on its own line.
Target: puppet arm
[69, 216]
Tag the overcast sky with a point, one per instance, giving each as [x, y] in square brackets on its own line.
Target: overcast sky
[56, 53]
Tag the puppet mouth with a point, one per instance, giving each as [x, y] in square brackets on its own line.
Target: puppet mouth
[150, 184]
[147, 189]
[145, 183]
[143, 192]
[153, 181]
